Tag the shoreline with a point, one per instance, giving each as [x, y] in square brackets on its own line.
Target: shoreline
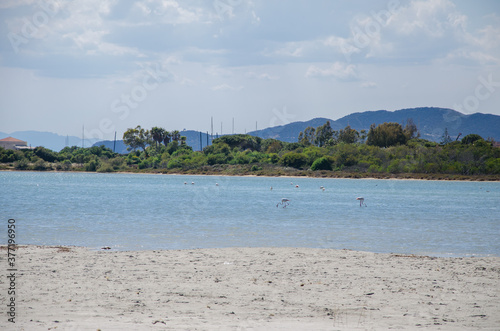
[284, 288]
[332, 175]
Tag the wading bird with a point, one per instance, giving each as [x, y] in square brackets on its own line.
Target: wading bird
[361, 202]
[284, 201]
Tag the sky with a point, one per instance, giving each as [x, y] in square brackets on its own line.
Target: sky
[108, 65]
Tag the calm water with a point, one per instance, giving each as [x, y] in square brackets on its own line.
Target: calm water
[137, 212]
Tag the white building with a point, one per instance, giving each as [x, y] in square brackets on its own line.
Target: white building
[13, 143]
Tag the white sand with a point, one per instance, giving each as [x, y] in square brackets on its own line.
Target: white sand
[249, 289]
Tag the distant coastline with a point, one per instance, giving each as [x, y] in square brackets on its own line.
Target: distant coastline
[387, 151]
[284, 172]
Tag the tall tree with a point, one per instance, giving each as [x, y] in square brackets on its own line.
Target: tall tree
[157, 135]
[176, 135]
[386, 134]
[323, 134]
[471, 138]
[411, 130]
[307, 136]
[348, 135]
[136, 138]
[167, 136]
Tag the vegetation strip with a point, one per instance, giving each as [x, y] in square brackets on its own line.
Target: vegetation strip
[388, 150]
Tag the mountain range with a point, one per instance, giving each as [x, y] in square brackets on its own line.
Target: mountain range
[431, 123]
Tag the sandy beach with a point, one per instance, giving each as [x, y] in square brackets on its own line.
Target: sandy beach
[74, 288]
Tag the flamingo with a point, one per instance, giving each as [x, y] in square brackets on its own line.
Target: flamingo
[361, 201]
[284, 201]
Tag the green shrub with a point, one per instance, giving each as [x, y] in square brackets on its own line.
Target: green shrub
[374, 169]
[91, 166]
[293, 159]
[216, 159]
[175, 163]
[66, 165]
[41, 165]
[105, 167]
[45, 154]
[21, 164]
[255, 168]
[471, 138]
[321, 164]
[493, 166]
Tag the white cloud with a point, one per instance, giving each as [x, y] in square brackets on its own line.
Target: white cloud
[369, 85]
[262, 76]
[337, 70]
[431, 17]
[187, 82]
[283, 56]
[215, 70]
[290, 49]
[166, 11]
[226, 87]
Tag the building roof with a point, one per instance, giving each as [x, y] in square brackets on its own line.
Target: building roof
[10, 139]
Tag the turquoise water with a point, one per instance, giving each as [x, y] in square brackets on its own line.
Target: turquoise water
[138, 212]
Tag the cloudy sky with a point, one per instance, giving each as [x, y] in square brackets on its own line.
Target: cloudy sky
[110, 65]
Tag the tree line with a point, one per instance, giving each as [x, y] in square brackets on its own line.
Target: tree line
[388, 148]
[142, 138]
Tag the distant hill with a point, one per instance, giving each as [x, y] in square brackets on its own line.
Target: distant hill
[431, 123]
[48, 140]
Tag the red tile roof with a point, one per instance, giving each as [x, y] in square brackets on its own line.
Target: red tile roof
[12, 140]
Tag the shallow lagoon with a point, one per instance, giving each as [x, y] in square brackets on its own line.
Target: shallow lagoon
[138, 212]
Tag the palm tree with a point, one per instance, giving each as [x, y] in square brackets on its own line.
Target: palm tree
[157, 135]
[166, 137]
[176, 135]
[183, 140]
